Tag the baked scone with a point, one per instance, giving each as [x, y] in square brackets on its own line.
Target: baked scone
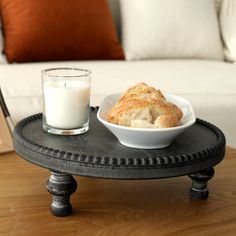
[143, 106]
[134, 109]
[141, 124]
[166, 121]
[141, 91]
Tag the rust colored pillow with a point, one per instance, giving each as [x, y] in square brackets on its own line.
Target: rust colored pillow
[49, 30]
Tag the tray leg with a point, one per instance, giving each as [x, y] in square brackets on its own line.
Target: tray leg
[199, 189]
[61, 186]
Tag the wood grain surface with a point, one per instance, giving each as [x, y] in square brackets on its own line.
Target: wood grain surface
[111, 207]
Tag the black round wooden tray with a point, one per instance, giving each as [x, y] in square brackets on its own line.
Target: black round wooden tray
[98, 153]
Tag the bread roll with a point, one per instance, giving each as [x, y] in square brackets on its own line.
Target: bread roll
[143, 106]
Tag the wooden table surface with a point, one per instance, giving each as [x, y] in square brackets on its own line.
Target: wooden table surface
[112, 207]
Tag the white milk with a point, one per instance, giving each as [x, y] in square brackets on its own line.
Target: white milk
[66, 103]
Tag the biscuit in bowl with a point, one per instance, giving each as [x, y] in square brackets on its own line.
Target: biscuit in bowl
[142, 133]
[143, 106]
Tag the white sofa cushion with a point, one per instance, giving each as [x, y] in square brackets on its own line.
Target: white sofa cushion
[115, 11]
[170, 29]
[208, 85]
[228, 28]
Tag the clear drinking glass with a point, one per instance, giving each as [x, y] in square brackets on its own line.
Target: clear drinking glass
[66, 98]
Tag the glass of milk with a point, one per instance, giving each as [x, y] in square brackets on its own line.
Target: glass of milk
[66, 97]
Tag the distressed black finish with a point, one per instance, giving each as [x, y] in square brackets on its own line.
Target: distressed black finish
[61, 186]
[98, 153]
[199, 189]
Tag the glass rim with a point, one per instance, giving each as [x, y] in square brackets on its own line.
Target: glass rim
[47, 72]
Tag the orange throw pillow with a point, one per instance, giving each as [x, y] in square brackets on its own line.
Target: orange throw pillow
[52, 30]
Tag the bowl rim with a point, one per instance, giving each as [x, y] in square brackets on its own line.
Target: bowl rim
[191, 122]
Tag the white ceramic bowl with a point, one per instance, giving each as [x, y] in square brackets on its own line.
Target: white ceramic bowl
[147, 138]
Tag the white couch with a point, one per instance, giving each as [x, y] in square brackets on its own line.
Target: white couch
[209, 85]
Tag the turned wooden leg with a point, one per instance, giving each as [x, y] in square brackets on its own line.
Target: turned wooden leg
[199, 189]
[61, 186]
